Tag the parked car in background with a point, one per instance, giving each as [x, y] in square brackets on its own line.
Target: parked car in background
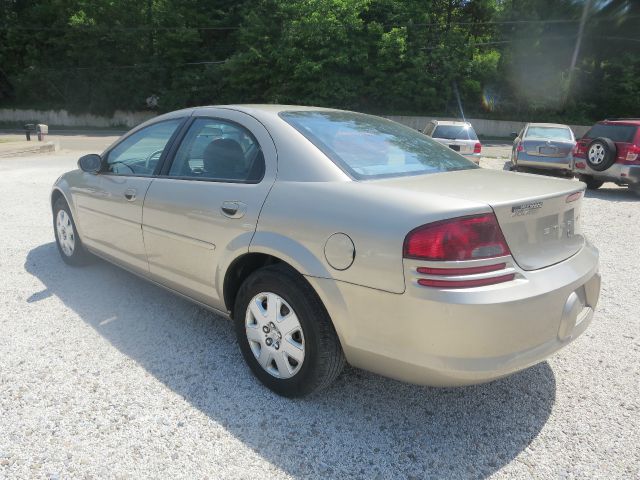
[329, 235]
[458, 136]
[610, 152]
[544, 146]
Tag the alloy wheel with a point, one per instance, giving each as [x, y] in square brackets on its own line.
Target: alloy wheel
[596, 154]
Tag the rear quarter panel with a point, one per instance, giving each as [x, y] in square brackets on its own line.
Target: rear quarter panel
[299, 217]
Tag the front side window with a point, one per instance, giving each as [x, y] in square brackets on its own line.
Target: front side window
[551, 133]
[218, 150]
[368, 147]
[455, 132]
[139, 153]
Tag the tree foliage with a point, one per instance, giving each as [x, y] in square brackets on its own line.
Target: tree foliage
[501, 58]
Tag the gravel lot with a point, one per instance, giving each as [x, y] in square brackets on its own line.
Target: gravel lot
[105, 376]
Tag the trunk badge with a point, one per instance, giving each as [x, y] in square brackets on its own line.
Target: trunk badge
[525, 209]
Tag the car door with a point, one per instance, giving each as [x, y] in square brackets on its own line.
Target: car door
[111, 216]
[202, 211]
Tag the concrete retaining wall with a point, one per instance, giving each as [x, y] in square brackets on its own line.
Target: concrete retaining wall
[59, 118]
[62, 118]
[487, 128]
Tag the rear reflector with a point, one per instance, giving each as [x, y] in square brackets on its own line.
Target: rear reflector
[581, 165]
[461, 271]
[481, 282]
[462, 238]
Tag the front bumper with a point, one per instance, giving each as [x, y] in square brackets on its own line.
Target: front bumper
[459, 337]
[617, 173]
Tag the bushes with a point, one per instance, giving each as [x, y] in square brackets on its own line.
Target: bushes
[380, 56]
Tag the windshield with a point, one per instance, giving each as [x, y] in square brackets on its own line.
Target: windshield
[552, 133]
[455, 132]
[369, 147]
[617, 133]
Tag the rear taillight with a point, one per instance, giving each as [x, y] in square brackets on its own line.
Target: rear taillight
[477, 148]
[573, 197]
[633, 152]
[462, 238]
[520, 148]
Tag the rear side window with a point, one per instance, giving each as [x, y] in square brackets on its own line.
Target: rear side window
[617, 133]
[368, 147]
[429, 129]
[552, 133]
[455, 132]
[218, 150]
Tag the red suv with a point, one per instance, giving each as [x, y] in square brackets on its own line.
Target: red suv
[609, 152]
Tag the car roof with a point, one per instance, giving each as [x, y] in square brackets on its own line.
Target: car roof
[622, 121]
[270, 108]
[452, 122]
[549, 125]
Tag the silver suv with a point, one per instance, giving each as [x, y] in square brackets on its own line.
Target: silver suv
[458, 136]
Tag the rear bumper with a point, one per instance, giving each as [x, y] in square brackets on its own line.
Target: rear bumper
[552, 163]
[617, 173]
[474, 157]
[460, 337]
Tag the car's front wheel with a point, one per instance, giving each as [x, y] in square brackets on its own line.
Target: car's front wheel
[69, 245]
[285, 333]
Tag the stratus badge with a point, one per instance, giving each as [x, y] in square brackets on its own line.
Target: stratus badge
[525, 208]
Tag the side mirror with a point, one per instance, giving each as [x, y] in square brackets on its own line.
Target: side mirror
[90, 163]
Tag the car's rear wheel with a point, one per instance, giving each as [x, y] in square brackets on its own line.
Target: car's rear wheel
[592, 183]
[510, 166]
[69, 245]
[601, 154]
[285, 334]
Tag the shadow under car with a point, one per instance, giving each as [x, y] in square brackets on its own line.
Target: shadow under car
[363, 426]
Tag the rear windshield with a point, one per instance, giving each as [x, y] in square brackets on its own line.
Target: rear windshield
[617, 133]
[552, 133]
[455, 132]
[368, 147]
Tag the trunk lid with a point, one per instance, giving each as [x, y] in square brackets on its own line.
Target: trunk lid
[547, 148]
[458, 145]
[540, 226]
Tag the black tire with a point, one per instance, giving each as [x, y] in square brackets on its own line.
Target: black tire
[608, 150]
[79, 256]
[510, 166]
[323, 357]
[592, 183]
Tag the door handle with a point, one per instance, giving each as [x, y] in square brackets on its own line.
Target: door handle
[130, 194]
[233, 209]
